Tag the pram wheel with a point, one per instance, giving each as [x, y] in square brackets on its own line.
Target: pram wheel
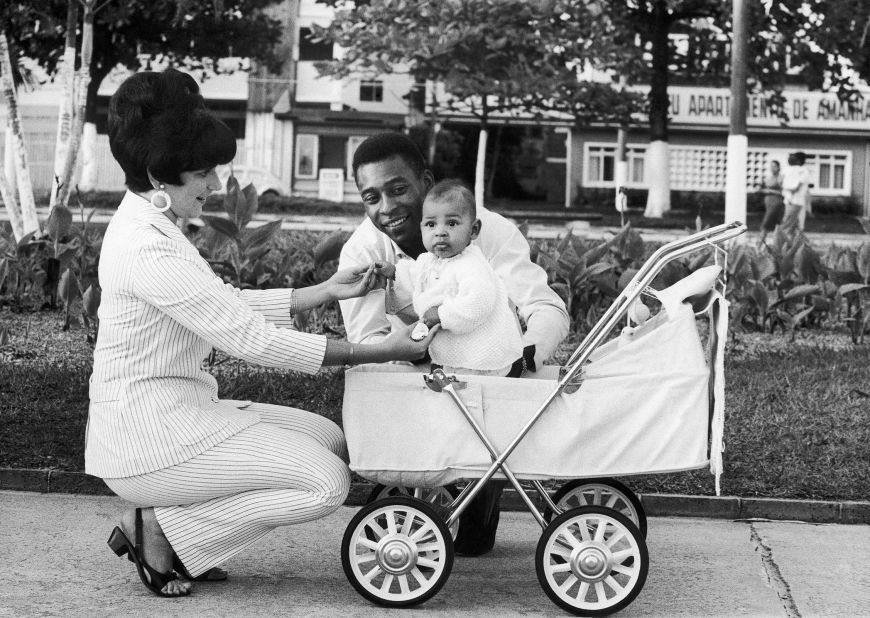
[397, 552]
[441, 497]
[591, 561]
[605, 492]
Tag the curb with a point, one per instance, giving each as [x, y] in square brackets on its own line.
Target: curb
[655, 505]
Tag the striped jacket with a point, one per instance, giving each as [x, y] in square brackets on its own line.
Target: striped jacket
[162, 310]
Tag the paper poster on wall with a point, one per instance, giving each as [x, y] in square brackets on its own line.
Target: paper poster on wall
[330, 184]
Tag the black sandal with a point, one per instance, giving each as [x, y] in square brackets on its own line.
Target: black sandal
[153, 580]
[215, 574]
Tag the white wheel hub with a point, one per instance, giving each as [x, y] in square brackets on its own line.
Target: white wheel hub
[396, 554]
[591, 562]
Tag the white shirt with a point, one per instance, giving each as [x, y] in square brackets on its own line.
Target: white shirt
[161, 312]
[479, 330]
[796, 184]
[366, 318]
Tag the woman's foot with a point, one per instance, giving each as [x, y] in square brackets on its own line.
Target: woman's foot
[155, 550]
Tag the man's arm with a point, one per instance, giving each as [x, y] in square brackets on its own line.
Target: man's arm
[365, 320]
[539, 306]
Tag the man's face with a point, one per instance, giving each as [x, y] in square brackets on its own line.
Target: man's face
[393, 197]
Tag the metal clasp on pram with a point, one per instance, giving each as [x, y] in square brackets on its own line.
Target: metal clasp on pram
[437, 380]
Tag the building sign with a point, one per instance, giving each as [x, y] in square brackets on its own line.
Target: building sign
[811, 110]
[330, 185]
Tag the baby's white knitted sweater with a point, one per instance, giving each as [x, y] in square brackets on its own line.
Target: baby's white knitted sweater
[480, 331]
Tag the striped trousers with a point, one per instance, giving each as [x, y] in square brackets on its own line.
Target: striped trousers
[289, 468]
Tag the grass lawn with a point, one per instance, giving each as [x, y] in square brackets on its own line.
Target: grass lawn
[797, 426]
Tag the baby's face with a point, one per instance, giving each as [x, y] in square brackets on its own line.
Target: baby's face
[447, 228]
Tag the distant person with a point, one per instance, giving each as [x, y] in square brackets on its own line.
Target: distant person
[210, 476]
[796, 191]
[774, 206]
[455, 287]
[392, 180]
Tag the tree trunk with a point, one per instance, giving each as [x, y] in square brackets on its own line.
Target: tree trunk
[434, 130]
[480, 168]
[81, 99]
[658, 168]
[7, 192]
[29, 219]
[495, 150]
[65, 110]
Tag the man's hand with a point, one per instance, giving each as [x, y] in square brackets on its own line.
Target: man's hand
[400, 346]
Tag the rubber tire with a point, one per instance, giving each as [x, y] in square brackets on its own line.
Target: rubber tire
[622, 519]
[618, 487]
[426, 509]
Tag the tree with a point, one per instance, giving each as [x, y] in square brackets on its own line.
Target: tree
[490, 56]
[816, 43]
[182, 32]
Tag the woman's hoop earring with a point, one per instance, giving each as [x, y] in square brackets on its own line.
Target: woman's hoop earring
[161, 200]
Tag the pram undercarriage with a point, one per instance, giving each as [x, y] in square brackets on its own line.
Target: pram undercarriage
[591, 558]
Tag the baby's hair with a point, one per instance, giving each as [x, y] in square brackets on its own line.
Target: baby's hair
[449, 187]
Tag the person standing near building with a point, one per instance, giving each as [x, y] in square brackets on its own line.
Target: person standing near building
[796, 191]
[774, 207]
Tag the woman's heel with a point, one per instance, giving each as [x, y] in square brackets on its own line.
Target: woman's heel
[153, 580]
[119, 543]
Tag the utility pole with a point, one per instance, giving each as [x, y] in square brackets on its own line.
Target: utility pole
[738, 144]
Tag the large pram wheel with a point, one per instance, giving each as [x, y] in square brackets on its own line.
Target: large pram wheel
[441, 497]
[605, 492]
[591, 561]
[397, 552]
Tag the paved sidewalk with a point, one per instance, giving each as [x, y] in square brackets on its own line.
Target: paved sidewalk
[662, 505]
[54, 562]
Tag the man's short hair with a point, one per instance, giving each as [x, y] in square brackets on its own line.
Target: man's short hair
[450, 187]
[384, 146]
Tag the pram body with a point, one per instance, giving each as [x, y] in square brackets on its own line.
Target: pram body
[641, 403]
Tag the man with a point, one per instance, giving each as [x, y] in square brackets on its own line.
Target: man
[392, 180]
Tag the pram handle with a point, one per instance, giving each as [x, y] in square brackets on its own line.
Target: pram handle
[644, 277]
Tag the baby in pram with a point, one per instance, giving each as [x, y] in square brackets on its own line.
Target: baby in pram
[454, 285]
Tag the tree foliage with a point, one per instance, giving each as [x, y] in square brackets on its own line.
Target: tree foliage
[183, 32]
[490, 55]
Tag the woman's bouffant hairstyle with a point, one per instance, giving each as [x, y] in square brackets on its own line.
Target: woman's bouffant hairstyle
[158, 123]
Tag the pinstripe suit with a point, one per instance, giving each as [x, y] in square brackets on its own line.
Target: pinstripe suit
[157, 432]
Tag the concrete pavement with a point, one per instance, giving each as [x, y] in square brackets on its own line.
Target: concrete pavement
[54, 562]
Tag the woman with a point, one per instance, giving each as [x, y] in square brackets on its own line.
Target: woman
[773, 203]
[215, 475]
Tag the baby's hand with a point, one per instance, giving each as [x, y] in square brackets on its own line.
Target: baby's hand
[385, 269]
[420, 331]
[431, 317]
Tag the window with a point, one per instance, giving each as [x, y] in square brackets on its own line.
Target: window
[306, 156]
[309, 50]
[353, 143]
[600, 165]
[832, 172]
[371, 91]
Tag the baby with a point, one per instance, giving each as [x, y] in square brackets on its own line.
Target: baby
[454, 286]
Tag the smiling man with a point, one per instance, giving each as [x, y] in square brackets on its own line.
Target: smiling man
[392, 179]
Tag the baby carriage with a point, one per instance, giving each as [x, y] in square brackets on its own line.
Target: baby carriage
[648, 401]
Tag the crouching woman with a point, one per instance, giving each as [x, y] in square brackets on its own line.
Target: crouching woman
[210, 476]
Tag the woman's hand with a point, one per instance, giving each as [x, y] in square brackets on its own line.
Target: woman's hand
[399, 346]
[353, 282]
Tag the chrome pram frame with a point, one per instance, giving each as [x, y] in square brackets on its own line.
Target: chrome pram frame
[589, 559]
